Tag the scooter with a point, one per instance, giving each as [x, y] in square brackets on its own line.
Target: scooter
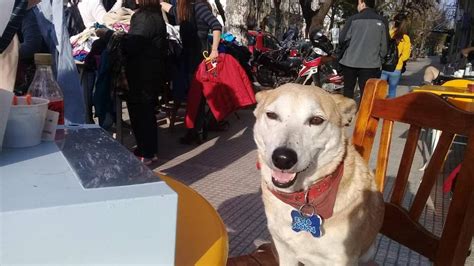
[319, 68]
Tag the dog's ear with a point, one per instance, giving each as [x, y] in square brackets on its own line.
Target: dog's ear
[261, 95]
[347, 107]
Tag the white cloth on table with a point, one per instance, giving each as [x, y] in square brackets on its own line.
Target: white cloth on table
[121, 15]
[93, 11]
[82, 42]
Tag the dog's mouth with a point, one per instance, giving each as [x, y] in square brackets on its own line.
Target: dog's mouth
[283, 180]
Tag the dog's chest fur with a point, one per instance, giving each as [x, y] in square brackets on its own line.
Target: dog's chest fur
[326, 249]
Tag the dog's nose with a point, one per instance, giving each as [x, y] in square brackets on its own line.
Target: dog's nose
[284, 158]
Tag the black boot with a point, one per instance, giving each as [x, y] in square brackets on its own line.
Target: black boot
[191, 137]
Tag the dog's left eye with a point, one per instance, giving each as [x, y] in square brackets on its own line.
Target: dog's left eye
[272, 115]
[315, 120]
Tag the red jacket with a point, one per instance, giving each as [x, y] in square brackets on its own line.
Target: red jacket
[226, 89]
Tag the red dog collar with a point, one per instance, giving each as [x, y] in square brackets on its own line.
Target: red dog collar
[321, 195]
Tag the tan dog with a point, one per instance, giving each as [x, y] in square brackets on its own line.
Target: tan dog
[320, 198]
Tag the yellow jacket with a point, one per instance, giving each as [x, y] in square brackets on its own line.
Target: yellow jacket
[404, 49]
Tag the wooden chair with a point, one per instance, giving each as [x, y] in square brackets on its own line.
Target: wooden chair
[420, 110]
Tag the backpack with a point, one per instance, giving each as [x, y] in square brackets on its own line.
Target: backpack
[74, 22]
[391, 59]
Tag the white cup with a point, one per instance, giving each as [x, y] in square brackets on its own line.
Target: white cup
[459, 73]
[25, 123]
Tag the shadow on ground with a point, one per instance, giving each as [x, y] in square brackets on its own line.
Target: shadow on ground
[246, 223]
[193, 162]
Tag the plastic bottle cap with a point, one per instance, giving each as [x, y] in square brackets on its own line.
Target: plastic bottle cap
[43, 59]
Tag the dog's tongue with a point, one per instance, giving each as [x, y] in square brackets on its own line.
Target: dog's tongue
[282, 177]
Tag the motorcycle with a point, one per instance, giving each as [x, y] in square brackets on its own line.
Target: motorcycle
[273, 68]
[319, 68]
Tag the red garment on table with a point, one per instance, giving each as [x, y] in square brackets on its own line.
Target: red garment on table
[227, 88]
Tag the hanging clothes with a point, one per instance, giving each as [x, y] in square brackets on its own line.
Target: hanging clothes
[227, 88]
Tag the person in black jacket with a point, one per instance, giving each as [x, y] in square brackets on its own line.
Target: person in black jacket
[196, 20]
[368, 35]
[145, 48]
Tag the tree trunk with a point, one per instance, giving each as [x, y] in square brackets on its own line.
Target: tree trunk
[317, 20]
[278, 30]
[333, 14]
[272, 16]
[237, 14]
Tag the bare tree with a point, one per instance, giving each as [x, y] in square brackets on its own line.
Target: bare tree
[317, 20]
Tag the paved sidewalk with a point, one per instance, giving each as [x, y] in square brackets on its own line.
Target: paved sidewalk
[223, 171]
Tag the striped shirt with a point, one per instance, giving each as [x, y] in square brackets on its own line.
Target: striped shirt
[19, 10]
[204, 18]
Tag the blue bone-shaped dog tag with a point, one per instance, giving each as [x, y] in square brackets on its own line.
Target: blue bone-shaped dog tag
[310, 224]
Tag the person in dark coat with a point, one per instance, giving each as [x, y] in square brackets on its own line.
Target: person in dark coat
[367, 33]
[31, 42]
[196, 20]
[145, 48]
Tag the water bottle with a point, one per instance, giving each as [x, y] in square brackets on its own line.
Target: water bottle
[45, 86]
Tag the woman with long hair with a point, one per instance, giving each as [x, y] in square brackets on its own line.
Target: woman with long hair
[196, 20]
[144, 48]
[399, 34]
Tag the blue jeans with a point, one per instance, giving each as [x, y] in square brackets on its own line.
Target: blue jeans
[393, 79]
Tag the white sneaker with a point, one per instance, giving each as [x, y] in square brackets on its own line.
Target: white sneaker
[148, 161]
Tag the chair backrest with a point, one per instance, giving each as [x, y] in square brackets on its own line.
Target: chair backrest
[458, 83]
[420, 110]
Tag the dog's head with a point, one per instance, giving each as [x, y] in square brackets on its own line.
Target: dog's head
[299, 131]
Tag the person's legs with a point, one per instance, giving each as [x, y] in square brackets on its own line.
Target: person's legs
[141, 102]
[364, 75]
[350, 78]
[384, 75]
[150, 129]
[196, 134]
[431, 73]
[394, 79]
[144, 127]
[134, 111]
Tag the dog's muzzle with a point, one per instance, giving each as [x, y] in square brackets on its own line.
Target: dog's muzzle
[283, 158]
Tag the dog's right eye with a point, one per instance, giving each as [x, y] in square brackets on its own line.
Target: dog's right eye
[315, 120]
[272, 115]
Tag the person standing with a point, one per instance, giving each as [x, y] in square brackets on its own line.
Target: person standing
[145, 48]
[399, 34]
[31, 42]
[196, 20]
[367, 35]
